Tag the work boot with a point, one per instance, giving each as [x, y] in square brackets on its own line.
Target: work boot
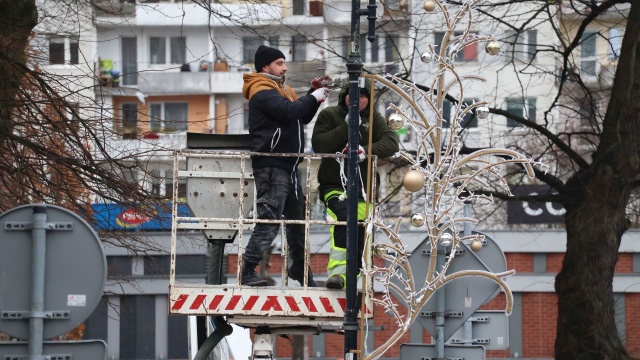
[250, 276]
[296, 272]
[335, 282]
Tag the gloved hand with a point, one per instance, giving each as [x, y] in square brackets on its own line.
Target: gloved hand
[346, 119]
[361, 154]
[321, 94]
[321, 81]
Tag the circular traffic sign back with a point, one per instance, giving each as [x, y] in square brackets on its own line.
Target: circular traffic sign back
[75, 270]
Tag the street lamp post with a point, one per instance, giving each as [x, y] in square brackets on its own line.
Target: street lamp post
[354, 68]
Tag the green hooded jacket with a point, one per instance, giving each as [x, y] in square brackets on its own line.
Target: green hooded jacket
[330, 135]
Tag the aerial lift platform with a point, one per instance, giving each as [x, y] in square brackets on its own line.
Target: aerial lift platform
[221, 195]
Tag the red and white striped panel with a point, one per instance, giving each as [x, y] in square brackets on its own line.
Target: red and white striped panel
[271, 302]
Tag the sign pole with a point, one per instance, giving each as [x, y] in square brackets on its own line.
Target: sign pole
[38, 259]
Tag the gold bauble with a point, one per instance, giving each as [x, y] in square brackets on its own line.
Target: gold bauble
[395, 121]
[417, 220]
[379, 250]
[492, 48]
[413, 180]
[429, 6]
[476, 245]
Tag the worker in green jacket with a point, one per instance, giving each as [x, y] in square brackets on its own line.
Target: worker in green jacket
[330, 135]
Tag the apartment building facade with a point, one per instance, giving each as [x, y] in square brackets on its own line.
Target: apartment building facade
[161, 68]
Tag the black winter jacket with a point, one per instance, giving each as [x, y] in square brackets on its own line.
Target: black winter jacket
[276, 119]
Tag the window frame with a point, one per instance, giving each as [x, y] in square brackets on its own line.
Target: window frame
[67, 49]
[527, 108]
[129, 127]
[589, 61]
[159, 122]
[159, 44]
[179, 54]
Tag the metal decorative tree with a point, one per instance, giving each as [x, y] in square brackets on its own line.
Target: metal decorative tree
[440, 177]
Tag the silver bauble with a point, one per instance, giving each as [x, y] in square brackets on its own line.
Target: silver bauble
[446, 239]
[482, 112]
[429, 6]
[395, 121]
[492, 48]
[426, 57]
[417, 220]
[413, 180]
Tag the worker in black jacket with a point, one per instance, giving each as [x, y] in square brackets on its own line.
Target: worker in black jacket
[276, 124]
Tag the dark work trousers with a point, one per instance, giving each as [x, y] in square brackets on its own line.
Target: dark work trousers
[278, 193]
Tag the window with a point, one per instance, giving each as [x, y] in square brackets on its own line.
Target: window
[525, 108]
[615, 42]
[375, 46]
[249, 46]
[155, 181]
[346, 46]
[363, 46]
[299, 47]
[391, 53]
[298, 7]
[58, 46]
[588, 53]
[157, 50]
[168, 117]
[469, 120]
[392, 4]
[525, 46]
[245, 111]
[129, 61]
[370, 50]
[129, 120]
[274, 41]
[178, 50]
[468, 53]
[182, 186]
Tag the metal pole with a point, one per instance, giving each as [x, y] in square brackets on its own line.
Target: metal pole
[440, 304]
[38, 257]
[354, 68]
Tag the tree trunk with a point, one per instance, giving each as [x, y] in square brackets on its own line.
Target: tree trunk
[17, 19]
[596, 200]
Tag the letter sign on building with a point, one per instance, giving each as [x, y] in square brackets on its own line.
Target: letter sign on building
[525, 212]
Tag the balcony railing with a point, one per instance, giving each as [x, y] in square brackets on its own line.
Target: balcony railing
[222, 80]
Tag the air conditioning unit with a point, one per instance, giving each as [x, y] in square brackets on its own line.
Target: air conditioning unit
[315, 8]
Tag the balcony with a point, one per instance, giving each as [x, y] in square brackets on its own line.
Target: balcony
[121, 145]
[572, 10]
[337, 12]
[127, 12]
[173, 83]
[159, 82]
[113, 11]
[228, 82]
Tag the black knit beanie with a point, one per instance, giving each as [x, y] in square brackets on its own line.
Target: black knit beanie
[265, 55]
